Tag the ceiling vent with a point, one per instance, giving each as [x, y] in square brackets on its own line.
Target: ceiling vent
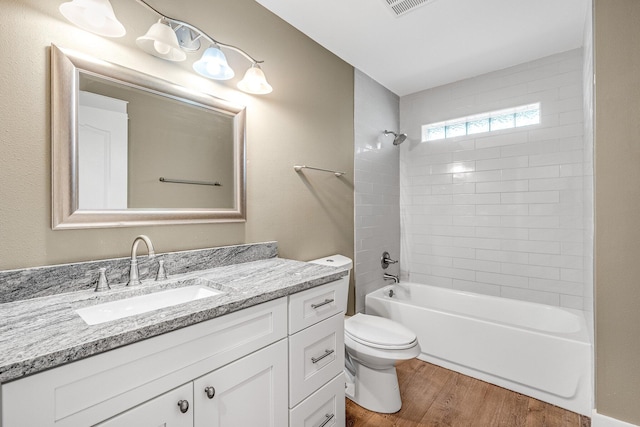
[401, 7]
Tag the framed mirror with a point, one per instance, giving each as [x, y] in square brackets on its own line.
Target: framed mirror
[131, 149]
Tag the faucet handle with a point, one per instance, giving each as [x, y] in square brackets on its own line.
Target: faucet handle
[162, 274]
[102, 284]
[386, 260]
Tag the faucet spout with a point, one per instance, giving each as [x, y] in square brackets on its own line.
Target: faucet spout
[393, 277]
[134, 278]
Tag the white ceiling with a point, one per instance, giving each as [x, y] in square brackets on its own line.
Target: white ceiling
[440, 42]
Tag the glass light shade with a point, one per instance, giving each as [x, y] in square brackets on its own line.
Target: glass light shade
[96, 16]
[213, 65]
[255, 82]
[162, 42]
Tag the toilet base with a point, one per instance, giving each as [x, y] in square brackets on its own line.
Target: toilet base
[375, 389]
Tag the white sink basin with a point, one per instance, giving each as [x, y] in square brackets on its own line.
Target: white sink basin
[119, 309]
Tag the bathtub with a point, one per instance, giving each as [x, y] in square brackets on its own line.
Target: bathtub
[534, 349]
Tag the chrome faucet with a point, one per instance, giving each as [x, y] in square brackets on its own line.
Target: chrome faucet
[388, 276]
[134, 279]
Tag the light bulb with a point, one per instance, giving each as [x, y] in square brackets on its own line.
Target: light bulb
[161, 48]
[213, 68]
[254, 81]
[213, 64]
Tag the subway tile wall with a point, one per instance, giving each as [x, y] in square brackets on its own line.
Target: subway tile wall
[377, 184]
[499, 213]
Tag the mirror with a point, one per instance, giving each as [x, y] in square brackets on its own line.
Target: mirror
[131, 149]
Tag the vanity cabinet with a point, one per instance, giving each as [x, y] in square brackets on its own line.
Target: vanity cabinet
[147, 377]
[275, 364]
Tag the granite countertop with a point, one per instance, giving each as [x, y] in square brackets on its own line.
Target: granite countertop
[42, 333]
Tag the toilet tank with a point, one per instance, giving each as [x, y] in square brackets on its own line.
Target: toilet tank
[339, 261]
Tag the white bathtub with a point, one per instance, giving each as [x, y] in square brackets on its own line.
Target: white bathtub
[537, 350]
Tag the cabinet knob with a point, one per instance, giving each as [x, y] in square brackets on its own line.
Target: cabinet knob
[183, 405]
[210, 392]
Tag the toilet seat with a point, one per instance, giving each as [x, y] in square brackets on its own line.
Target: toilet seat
[379, 332]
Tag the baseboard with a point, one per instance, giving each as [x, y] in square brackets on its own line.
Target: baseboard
[599, 420]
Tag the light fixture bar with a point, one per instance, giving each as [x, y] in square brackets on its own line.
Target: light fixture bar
[200, 32]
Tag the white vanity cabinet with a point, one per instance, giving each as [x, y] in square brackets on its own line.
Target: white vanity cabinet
[316, 356]
[143, 382]
[275, 364]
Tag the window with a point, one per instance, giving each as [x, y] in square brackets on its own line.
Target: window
[516, 117]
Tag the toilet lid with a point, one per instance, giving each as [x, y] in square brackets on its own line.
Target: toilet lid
[379, 332]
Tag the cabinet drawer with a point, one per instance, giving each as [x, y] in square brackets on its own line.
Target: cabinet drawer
[316, 355]
[316, 304]
[324, 408]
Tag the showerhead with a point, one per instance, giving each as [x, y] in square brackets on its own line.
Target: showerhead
[398, 138]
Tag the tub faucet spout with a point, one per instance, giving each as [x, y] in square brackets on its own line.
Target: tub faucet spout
[134, 278]
[388, 276]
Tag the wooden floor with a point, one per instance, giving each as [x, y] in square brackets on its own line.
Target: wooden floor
[434, 396]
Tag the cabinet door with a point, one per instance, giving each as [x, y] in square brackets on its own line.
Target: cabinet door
[172, 409]
[251, 391]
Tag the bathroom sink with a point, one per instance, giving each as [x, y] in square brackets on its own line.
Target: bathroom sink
[113, 310]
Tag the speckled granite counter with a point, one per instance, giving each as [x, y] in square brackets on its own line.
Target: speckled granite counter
[45, 332]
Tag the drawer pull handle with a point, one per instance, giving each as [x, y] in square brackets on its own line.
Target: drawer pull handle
[325, 302]
[328, 417]
[319, 358]
[210, 392]
[184, 406]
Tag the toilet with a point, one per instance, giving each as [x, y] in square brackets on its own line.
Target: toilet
[373, 344]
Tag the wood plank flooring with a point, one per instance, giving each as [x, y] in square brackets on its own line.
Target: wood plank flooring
[433, 396]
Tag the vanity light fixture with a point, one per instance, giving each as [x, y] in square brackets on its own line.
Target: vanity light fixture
[169, 39]
[93, 15]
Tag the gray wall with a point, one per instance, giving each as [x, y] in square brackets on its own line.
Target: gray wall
[307, 119]
[377, 189]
